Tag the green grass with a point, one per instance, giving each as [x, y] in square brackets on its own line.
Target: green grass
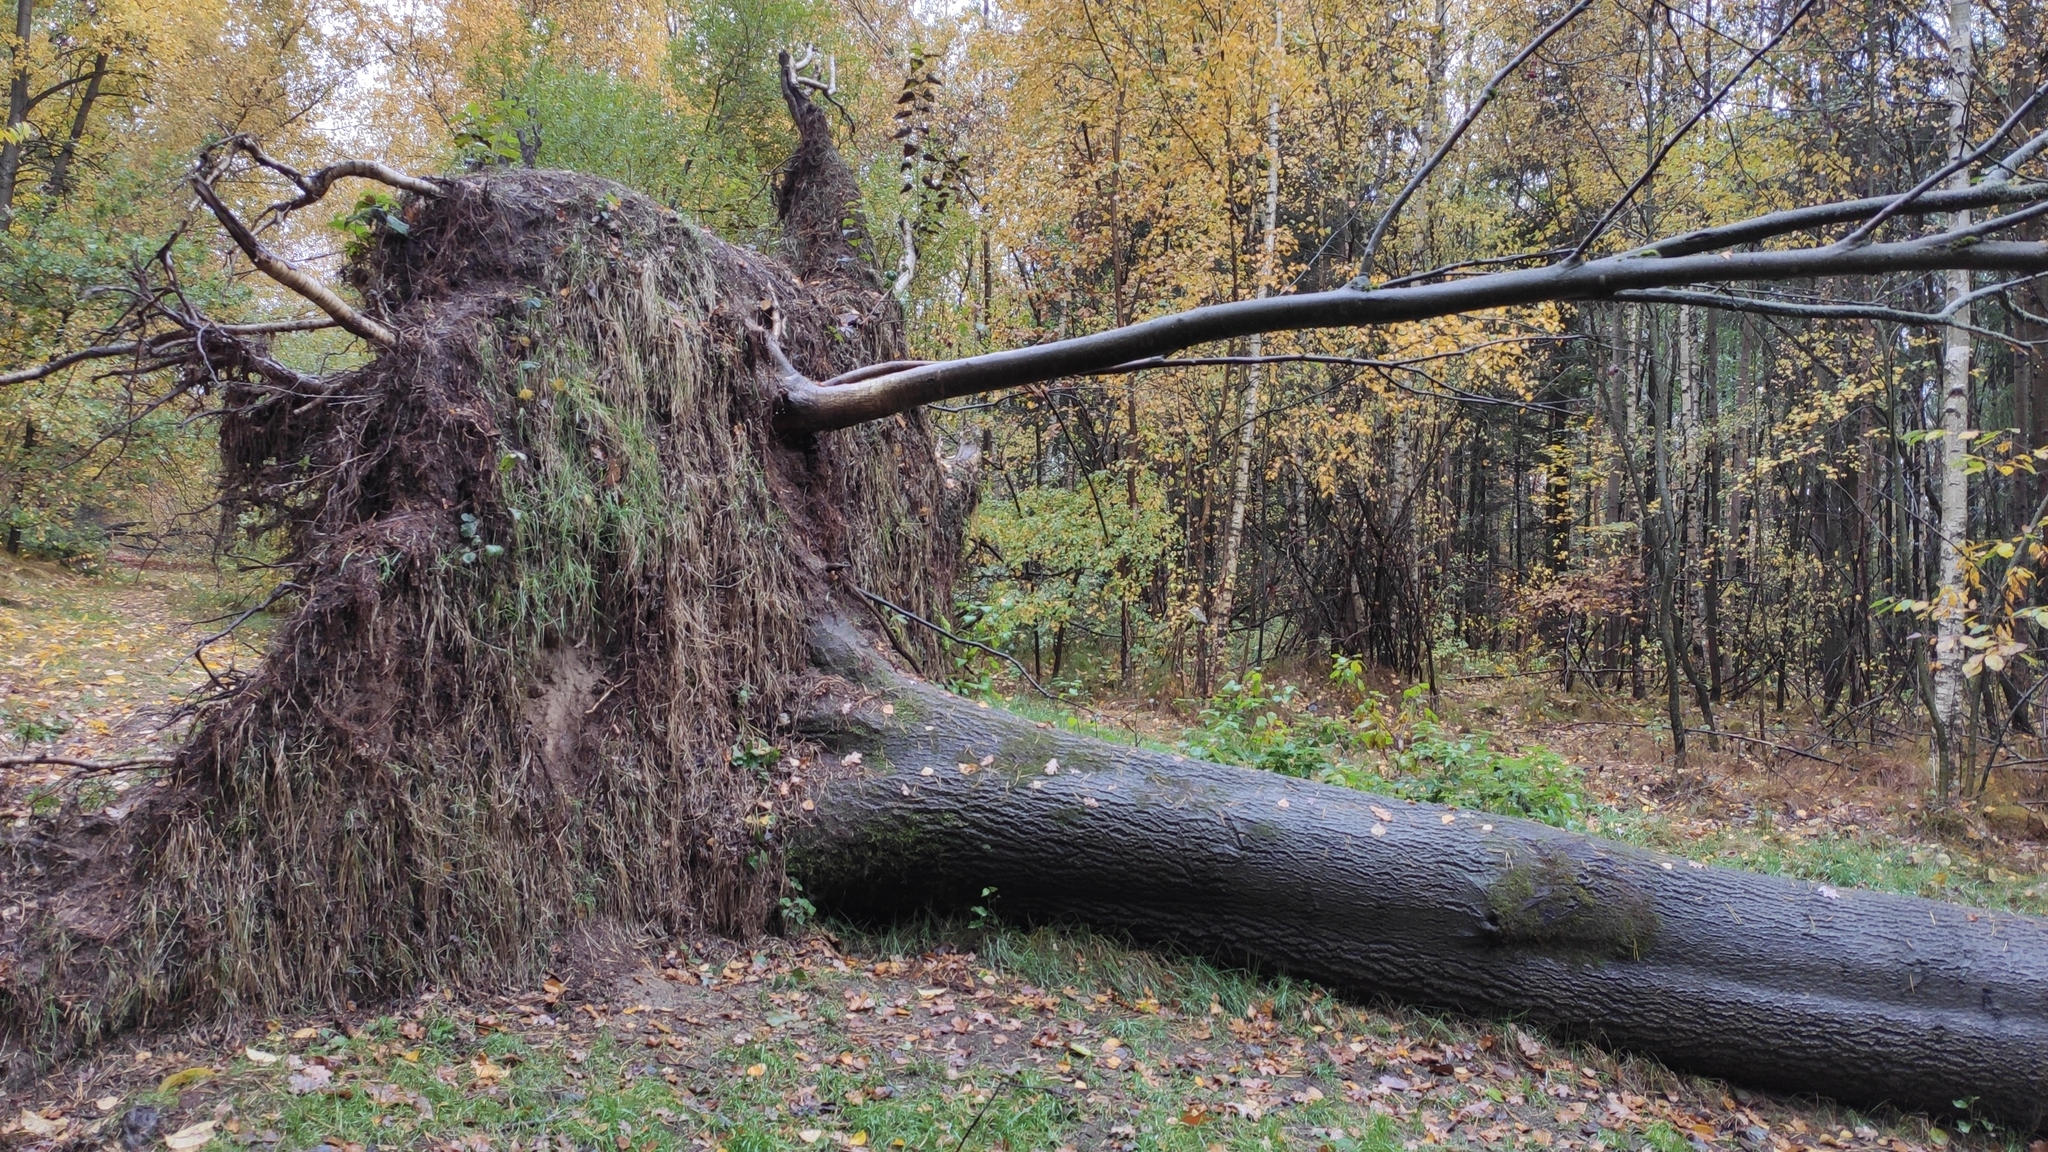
[1845, 859]
[1107, 1047]
[1399, 747]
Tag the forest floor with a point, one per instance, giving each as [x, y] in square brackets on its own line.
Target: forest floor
[964, 1036]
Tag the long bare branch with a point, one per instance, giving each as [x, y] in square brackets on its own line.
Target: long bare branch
[53, 366]
[807, 407]
[316, 185]
[1869, 227]
[1801, 311]
[1770, 225]
[2018, 158]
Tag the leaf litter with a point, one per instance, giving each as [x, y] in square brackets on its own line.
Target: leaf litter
[1006, 1039]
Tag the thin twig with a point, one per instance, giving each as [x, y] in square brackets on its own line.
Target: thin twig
[1864, 231]
[1671, 141]
[913, 617]
[275, 594]
[1422, 174]
[1480, 262]
[1000, 1088]
[1788, 749]
[89, 765]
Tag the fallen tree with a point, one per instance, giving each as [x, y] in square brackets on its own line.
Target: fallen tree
[563, 551]
[1797, 986]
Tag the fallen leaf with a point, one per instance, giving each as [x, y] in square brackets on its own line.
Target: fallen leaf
[305, 1033]
[757, 1070]
[34, 1124]
[1383, 814]
[811, 1135]
[858, 1140]
[186, 1139]
[107, 1103]
[179, 1081]
[259, 1056]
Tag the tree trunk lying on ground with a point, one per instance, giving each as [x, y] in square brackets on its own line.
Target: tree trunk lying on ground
[556, 562]
[1780, 983]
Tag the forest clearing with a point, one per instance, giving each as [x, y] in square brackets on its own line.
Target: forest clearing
[1298, 573]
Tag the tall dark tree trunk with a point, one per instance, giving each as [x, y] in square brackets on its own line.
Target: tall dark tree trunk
[60, 168]
[17, 104]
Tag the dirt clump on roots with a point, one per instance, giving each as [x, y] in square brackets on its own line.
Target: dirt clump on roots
[556, 574]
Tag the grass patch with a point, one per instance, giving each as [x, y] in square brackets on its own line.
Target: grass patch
[933, 1037]
[1397, 746]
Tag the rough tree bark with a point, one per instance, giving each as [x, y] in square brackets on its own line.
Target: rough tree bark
[1782, 983]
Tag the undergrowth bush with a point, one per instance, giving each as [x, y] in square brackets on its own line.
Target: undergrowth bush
[1394, 746]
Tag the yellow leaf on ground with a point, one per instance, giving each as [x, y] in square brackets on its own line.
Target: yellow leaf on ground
[179, 1081]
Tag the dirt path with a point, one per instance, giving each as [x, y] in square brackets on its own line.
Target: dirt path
[91, 667]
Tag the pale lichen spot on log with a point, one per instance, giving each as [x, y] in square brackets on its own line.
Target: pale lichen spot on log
[1585, 906]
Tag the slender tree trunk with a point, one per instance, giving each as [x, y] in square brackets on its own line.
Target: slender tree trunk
[1954, 522]
[1248, 433]
[1662, 544]
[17, 105]
[60, 170]
[1712, 521]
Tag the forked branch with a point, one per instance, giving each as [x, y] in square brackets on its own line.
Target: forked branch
[311, 189]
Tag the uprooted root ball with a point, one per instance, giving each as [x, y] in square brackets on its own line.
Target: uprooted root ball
[556, 575]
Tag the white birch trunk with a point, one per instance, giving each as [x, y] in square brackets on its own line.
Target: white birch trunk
[1953, 526]
[1248, 432]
